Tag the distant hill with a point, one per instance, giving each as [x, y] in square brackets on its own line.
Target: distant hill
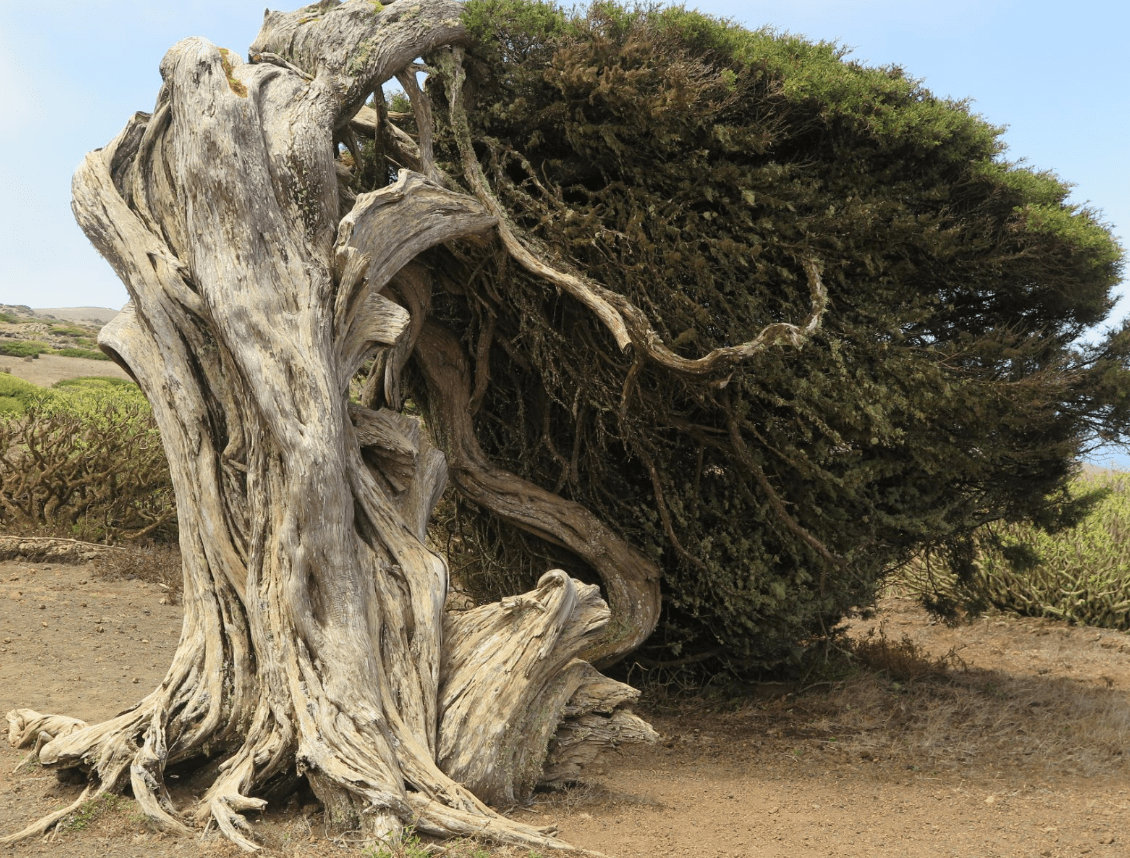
[48, 345]
[92, 315]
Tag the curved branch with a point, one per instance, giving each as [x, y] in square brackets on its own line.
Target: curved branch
[422, 107]
[725, 358]
[354, 47]
[386, 230]
[587, 294]
[631, 581]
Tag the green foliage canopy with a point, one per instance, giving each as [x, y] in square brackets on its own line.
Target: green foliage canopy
[695, 167]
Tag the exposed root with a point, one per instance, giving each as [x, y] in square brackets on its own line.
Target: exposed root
[440, 821]
[511, 720]
[147, 777]
[26, 725]
[44, 825]
[226, 801]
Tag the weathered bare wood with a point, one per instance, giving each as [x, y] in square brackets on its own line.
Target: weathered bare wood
[592, 296]
[510, 678]
[40, 549]
[314, 635]
[394, 442]
[630, 579]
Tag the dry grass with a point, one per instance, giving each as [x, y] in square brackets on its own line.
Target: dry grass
[978, 718]
[158, 564]
[903, 660]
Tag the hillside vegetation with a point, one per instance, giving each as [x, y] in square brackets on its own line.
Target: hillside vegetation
[25, 334]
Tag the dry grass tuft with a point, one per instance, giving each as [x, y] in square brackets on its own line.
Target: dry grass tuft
[981, 718]
[1051, 703]
[905, 703]
[158, 564]
[903, 660]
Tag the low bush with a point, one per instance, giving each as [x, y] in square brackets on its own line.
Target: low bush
[1080, 574]
[85, 461]
[89, 354]
[16, 394]
[69, 331]
[24, 348]
[97, 382]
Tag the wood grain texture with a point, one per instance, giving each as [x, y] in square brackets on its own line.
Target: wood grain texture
[314, 634]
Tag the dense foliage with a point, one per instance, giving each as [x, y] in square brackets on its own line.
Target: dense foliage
[83, 460]
[696, 167]
[1077, 574]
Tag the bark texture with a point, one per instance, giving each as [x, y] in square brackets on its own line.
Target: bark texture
[314, 636]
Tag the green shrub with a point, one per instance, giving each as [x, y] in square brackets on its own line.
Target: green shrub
[89, 397]
[1080, 574]
[86, 463]
[84, 394]
[89, 354]
[704, 172]
[69, 331]
[96, 382]
[18, 394]
[99, 384]
[8, 318]
[24, 348]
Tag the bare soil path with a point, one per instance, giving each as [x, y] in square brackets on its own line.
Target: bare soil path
[1015, 749]
[45, 370]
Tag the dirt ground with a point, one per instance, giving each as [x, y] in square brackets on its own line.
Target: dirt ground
[45, 370]
[1002, 738]
[80, 315]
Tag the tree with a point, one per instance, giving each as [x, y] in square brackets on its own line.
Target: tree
[315, 639]
[678, 302]
[700, 177]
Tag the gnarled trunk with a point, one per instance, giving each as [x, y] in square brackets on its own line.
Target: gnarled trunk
[314, 633]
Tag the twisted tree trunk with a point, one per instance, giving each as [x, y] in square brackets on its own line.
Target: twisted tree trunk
[314, 635]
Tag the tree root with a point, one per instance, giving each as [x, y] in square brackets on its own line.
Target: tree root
[314, 638]
[514, 703]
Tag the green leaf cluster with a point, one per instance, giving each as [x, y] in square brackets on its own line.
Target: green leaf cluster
[694, 167]
[16, 394]
[24, 348]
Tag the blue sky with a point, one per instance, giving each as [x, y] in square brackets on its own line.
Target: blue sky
[74, 72]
